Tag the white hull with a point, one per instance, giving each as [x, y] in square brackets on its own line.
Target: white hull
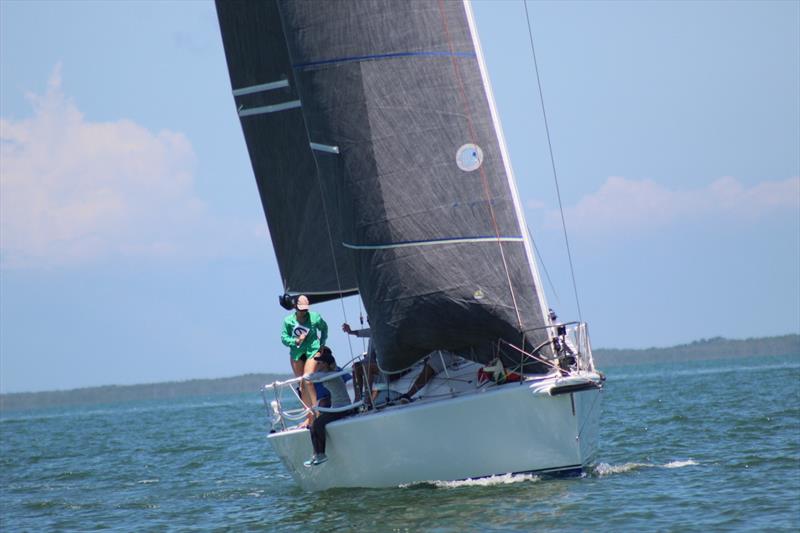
[514, 428]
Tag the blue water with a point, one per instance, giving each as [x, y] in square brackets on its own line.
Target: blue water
[710, 445]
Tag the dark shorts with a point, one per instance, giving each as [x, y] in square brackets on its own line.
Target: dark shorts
[303, 358]
[324, 400]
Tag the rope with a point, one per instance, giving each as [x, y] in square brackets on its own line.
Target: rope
[552, 160]
[290, 414]
[332, 247]
[473, 137]
[545, 361]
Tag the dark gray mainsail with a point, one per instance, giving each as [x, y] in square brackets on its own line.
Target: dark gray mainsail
[311, 260]
[394, 98]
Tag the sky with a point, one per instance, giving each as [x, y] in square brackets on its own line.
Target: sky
[133, 246]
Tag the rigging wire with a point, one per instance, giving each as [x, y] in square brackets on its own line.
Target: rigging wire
[552, 161]
[333, 251]
[330, 236]
[474, 138]
[544, 267]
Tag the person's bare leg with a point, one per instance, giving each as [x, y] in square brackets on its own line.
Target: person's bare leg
[358, 380]
[307, 390]
[297, 367]
[372, 373]
[423, 378]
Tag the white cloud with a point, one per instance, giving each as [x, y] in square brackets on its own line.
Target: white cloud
[73, 191]
[627, 205]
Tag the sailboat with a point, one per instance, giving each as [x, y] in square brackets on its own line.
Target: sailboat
[383, 172]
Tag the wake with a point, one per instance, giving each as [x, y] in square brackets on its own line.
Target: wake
[605, 469]
[599, 470]
[504, 479]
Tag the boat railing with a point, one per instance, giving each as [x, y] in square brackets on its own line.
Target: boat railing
[578, 336]
[571, 352]
[570, 345]
[275, 395]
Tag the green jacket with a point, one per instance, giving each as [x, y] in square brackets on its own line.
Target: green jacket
[317, 334]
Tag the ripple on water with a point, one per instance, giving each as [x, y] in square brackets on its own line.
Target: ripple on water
[70, 475]
[184, 449]
[137, 505]
[679, 450]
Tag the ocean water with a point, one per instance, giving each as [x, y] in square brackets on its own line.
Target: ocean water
[684, 447]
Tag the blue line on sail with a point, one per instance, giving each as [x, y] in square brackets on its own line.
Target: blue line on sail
[381, 56]
[450, 240]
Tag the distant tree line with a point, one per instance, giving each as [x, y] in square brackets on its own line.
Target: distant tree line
[716, 348]
[704, 349]
[125, 393]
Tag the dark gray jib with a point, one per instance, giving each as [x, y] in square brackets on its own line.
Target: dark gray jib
[422, 197]
[293, 196]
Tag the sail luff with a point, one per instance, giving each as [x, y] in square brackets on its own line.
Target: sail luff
[487, 85]
[484, 178]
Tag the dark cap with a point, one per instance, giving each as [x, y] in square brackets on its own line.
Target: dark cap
[326, 356]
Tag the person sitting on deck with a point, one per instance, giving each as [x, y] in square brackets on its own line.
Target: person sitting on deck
[337, 397]
[374, 394]
[323, 394]
[434, 364]
[364, 370]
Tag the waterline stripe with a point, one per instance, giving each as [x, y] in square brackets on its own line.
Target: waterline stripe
[406, 244]
[324, 148]
[260, 88]
[269, 108]
[381, 56]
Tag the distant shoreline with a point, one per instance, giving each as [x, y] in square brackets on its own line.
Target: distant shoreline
[704, 349]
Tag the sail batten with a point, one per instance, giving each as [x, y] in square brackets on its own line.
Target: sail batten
[271, 86]
[246, 112]
[294, 195]
[324, 148]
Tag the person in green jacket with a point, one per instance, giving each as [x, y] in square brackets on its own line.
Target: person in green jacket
[305, 333]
